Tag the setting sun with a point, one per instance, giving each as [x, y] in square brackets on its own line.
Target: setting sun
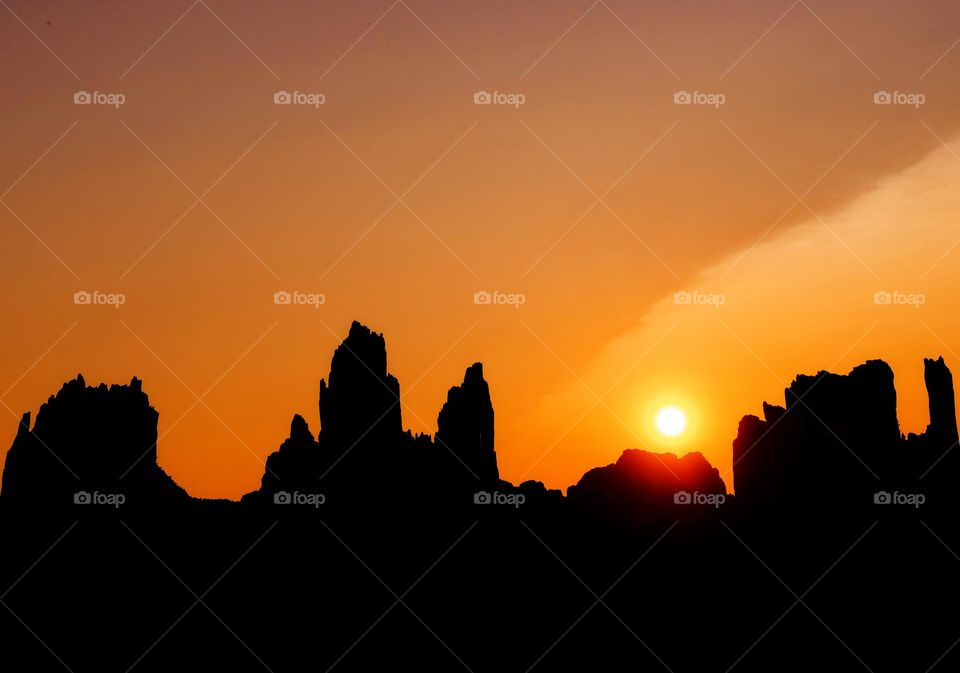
[671, 421]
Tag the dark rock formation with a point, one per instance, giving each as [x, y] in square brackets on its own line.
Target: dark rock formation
[538, 495]
[646, 485]
[465, 425]
[362, 457]
[932, 461]
[361, 404]
[297, 466]
[837, 443]
[89, 439]
[827, 449]
[859, 408]
[942, 428]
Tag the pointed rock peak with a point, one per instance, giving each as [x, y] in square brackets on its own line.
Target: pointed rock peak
[363, 334]
[70, 388]
[465, 424]
[939, 382]
[299, 430]
[363, 345]
[771, 412]
[136, 384]
[359, 399]
[24, 427]
[936, 372]
[356, 327]
[474, 373]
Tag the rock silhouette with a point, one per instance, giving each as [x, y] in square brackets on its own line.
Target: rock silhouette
[361, 404]
[837, 444]
[297, 465]
[89, 439]
[414, 553]
[465, 425]
[362, 457]
[931, 460]
[645, 485]
[943, 418]
[835, 435]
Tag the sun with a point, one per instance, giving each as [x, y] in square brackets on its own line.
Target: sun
[671, 421]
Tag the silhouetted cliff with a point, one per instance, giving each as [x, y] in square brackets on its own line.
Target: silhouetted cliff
[412, 552]
[836, 445]
[89, 440]
[361, 404]
[831, 449]
[465, 424]
[297, 466]
[362, 457]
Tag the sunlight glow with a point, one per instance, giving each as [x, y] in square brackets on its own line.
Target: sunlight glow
[671, 421]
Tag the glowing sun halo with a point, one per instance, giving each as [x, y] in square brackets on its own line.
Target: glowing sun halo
[671, 421]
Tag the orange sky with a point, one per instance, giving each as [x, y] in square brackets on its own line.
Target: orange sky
[398, 199]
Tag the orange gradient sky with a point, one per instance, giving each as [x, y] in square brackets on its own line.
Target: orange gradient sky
[398, 198]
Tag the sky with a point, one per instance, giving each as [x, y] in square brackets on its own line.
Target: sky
[776, 163]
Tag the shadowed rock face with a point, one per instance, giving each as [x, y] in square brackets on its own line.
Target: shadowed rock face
[860, 408]
[943, 419]
[362, 457]
[834, 438]
[837, 443]
[753, 459]
[931, 460]
[465, 425]
[89, 439]
[361, 403]
[642, 484]
[833, 445]
[297, 465]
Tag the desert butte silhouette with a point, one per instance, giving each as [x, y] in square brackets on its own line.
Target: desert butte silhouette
[366, 545]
